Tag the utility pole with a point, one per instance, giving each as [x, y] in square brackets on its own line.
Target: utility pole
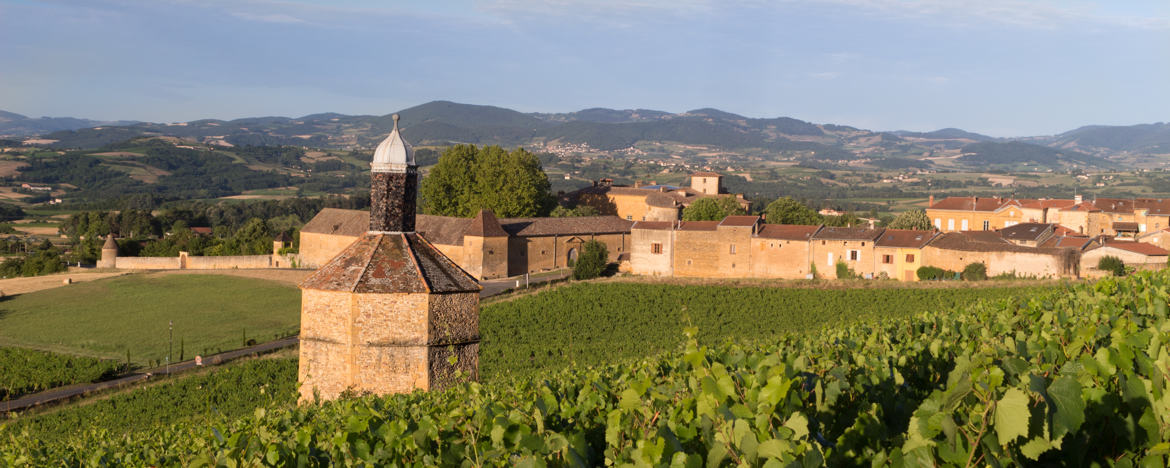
[171, 344]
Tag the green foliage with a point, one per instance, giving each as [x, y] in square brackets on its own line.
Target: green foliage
[712, 209]
[1044, 380]
[468, 179]
[1111, 264]
[912, 219]
[844, 272]
[592, 260]
[975, 272]
[935, 273]
[43, 259]
[579, 210]
[787, 210]
[10, 212]
[230, 391]
[845, 220]
[30, 371]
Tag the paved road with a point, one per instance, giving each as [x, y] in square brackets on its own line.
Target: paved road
[64, 393]
[494, 287]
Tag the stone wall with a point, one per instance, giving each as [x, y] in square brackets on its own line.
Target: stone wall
[147, 263]
[1047, 263]
[643, 259]
[227, 262]
[779, 258]
[1090, 258]
[318, 249]
[694, 253]
[827, 252]
[735, 254]
[483, 257]
[543, 253]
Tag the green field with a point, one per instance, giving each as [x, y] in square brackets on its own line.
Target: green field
[108, 318]
[24, 371]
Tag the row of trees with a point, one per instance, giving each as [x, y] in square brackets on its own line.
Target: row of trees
[787, 210]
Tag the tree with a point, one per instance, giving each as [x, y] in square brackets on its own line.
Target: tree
[712, 209]
[580, 210]
[467, 179]
[787, 210]
[912, 219]
[592, 261]
[975, 272]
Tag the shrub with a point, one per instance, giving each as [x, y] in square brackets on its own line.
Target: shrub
[592, 261]
[1112, 264]
[844, 272]
[934, 273]
[975, 272]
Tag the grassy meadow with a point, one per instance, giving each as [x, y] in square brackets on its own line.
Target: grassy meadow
[108, 318]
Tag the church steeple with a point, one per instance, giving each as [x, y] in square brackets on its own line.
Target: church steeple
[393, 185]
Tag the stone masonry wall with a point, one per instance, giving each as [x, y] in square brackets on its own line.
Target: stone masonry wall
[779, 258]
[147, 263]
[643, 260]
[228, 262]
[392, 200]
[318, 249]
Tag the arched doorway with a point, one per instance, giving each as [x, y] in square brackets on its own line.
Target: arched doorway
[572, 256]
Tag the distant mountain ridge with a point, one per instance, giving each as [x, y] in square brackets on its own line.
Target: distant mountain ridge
[609, 130]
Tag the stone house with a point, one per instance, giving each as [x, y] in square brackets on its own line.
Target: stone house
[652, 248]
[650, 202]
[1028, 234]
[954, 214]
[899, 253]
[853, 246]
[954, 251]
[782, 251]
[1140, 255]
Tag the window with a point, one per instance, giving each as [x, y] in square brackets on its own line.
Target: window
[986, 225]
[656, 248]
[909, 258]
[1142, 227]
[887, 259]
[629, 217]
[731, 250]
[950, 225]
[938, 223]
[491, 252]
[966, 227]
[688, 261]
[854, 255]
[830, 261]
[863, 244]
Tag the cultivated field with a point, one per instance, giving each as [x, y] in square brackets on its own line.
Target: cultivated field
[108, 318]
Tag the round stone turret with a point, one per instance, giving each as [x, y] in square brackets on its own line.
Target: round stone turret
[109, 253]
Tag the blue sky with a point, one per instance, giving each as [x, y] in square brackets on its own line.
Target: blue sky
[1001, 67]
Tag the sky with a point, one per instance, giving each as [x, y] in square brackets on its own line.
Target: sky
[998, 67]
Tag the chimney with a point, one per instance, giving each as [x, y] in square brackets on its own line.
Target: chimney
[638, 183]
[1078, 199]
[930, 202]
[393, 185]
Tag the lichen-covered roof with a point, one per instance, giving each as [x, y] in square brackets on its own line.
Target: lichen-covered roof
[383, 263]
[787, 231]
[485, 225]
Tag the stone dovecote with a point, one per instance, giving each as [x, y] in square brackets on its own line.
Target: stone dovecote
[390, 313]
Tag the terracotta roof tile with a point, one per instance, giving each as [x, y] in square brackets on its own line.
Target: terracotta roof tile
[971, 203]
[484, 225]
[740, 221]
[848, 233]
[339, 222]
[578, 225]
[1137, 247]
[706, 174]
[905, 238]
[1026, 231]
[655, 225]
[698, 225]
[1125, 226]
[1067, 242]
[787, 231]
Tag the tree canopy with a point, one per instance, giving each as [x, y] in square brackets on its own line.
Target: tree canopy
[912, 219]
[712, 209]
[787, 210]
[592, 261]
[467, 179]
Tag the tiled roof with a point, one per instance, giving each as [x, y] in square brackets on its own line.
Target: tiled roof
[655, 225]
[110, 244]
[391, 263]
[971, 203]
[1125, 226]
[990, 237]
[787, 231]
[1026, 231]
[485, 225]
[706, 174]
[1083, 206]
[446, 230]
[964, 241]
[1114, 205]
[1137, 247]
[661, 200]
[904, 238]
[740, 221]
[1067, 242]
[698, 225]
[339, 222]
[848, 233]
[577, 225]
[1064, 231]
[1047, 203]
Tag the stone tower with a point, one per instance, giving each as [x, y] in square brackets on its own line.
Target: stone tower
[109, 253]
[485, 247]
[388, 313]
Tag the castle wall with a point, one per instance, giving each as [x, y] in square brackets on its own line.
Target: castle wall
[318, 249]
[827, 252]
[779, 258]
[1038, 264]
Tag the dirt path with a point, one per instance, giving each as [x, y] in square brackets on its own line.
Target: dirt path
[13, 286]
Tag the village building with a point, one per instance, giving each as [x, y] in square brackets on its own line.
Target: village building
[485, 246]
[1140, 255]
[1117, 217]
[782, 251]
[899, 253]
[390, 313]
[650, 202]
[955, 250]
[852, 246]
[953, 214]
[1028, 234]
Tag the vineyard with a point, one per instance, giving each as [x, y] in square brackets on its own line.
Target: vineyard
[1073, 376]
[602, 323]
[28, 371]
